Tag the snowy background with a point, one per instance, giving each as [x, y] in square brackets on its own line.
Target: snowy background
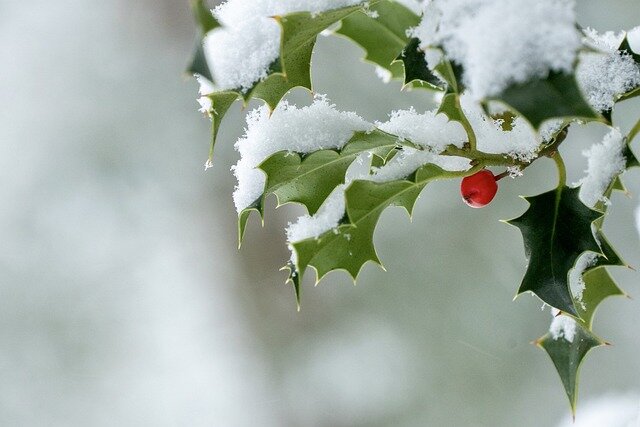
[123, 298]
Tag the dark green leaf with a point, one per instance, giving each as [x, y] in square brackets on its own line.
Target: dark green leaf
[198, 63]
[556, 96]
[568, 356]
[556, 230]
[415, 66]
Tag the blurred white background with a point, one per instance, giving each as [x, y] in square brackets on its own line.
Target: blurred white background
[123, 298]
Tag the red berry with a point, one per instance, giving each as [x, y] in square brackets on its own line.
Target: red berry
[479, 189]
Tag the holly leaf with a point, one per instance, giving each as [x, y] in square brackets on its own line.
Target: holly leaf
[220, 104]
[206, 22]
[309, 179]
[557, 95]
[567, 356]
[381, 37]
[556, 230]
[294, 279]
[243, 217]
[599, 285]
[451, 72]
[350, 246]
[415, 67]
[298, 37]
[292, 69]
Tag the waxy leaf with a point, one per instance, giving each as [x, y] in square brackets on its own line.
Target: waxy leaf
[350, 246]
[206, 22]
[243, 217]
[568, 356]
[599, 285]
[383, 37]
[556, 230]
[557, 95]
[293, 67]
[309, 179]
[416, 69]
[220, 104]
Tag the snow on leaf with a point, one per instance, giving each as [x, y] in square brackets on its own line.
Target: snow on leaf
[309, 179]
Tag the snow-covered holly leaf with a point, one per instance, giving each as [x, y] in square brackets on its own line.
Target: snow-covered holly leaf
[309, 179]
[556, 230]
[293, 67]
[416, 69]
[350, 246]
[567, 356]
[557, 95]
[382, 37]
[599, 285]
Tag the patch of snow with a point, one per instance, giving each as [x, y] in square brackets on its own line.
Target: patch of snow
[576, 281]
[241, 51]
[562, 326]
[605, 161]
[521, 142]
[502, 42]
[301, 130]
[430, 130]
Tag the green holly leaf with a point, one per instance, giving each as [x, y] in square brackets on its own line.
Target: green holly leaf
[292, 69]
[206, 22]
[350, 246]
[243, 217]
[452, 74]
[557, 95]
[556, 230]
[599, 285]
[294, 279]
[220, 104]
[416, 69]
[568, 357]
[198, 64]
[381, 37]
[298, 38]
[309, 179]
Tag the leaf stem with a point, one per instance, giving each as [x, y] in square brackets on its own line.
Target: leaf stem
[635, 130]
[562, 170]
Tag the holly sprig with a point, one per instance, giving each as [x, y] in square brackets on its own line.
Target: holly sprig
[557, 227]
